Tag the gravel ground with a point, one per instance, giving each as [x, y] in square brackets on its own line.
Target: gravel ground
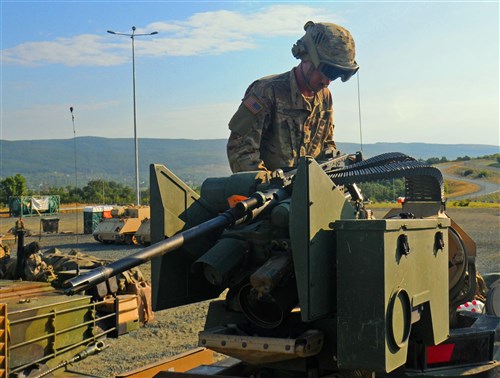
[175, 330]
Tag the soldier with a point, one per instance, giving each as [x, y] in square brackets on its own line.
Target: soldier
[286, 116]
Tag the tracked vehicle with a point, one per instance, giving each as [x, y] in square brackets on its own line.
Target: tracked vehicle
[315, 286]
[143, 234]
[123, 225]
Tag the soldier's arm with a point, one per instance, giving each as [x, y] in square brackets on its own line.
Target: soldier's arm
[329, 146]
[329, 142]
[247, 126]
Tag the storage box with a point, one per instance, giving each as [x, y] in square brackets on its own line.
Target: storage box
[126, 309]
[392, 275]
[50, 225]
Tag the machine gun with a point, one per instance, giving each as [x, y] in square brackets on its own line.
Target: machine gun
[312, 284]
[244, 210]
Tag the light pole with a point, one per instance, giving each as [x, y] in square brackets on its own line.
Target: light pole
[132, 36]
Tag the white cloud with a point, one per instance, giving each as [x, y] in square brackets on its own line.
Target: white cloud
[206, 33]
[85, 49]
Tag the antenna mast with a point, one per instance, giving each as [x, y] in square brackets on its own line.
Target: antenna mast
[76, 188]
[359, 116]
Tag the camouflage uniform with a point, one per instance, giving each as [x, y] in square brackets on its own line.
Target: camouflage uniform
[38, 270]
[35, 268]
[275, 125]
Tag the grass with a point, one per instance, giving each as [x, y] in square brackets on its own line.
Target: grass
[449, 204]
[487, 201]
[456, 188]
[484, 169]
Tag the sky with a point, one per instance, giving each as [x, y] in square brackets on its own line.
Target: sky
[429, 71]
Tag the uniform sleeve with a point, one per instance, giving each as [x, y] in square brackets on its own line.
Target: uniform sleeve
[329, 142]
[329, 148]
[247, 127]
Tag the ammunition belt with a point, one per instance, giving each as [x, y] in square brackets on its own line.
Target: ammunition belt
[422, 181]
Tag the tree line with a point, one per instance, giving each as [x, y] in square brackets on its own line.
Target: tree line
[111, 192]
[94, 192]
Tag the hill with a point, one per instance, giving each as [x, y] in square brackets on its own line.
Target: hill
[52, 162]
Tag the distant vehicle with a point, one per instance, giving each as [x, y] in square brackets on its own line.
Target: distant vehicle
[123, 225]
[143, 234]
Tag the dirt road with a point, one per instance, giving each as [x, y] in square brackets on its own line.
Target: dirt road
[484, 186]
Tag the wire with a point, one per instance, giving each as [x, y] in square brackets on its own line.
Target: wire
[359, 116]
[76, 189]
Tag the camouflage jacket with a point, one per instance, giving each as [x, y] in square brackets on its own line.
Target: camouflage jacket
[275, 125]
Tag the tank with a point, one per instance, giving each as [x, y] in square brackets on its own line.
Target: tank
[123, 225]
[314, 285]
[143, 234]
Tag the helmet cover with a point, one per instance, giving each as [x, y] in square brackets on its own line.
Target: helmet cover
[326, 43]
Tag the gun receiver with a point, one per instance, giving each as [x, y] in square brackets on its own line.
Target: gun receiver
[242, 212]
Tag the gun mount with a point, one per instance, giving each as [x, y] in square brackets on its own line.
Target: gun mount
[313, 285]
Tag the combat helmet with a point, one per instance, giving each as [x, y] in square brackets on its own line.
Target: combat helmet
[330, 48]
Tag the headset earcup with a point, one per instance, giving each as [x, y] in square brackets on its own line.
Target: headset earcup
[299, 49]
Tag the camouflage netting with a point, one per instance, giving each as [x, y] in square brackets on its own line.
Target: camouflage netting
[45, 266]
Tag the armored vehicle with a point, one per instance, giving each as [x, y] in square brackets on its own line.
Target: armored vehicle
[143, 234]
[315, 287]
[123, 225]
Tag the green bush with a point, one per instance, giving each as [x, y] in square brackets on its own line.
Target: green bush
[462, 203]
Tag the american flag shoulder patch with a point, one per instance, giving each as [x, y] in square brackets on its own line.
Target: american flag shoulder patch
[253, 104]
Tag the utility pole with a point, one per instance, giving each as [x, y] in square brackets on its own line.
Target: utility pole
[132, 36]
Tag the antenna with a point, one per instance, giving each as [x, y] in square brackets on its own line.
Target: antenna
[74, 144]
[76, 188]
[359, 116]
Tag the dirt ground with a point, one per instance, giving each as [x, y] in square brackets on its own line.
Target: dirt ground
[175, 330]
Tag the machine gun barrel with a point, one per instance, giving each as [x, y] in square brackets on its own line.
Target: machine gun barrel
[243, 211]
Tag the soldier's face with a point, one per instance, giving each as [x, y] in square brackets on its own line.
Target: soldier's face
[317, 80]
